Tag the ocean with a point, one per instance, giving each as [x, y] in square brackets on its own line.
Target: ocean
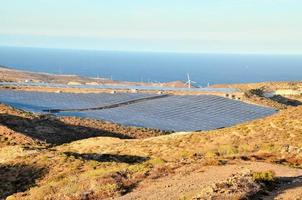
[156, 67]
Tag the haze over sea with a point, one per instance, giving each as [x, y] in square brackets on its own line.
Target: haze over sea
[156, 67]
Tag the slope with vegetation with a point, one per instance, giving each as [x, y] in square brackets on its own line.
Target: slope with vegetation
[256, 93]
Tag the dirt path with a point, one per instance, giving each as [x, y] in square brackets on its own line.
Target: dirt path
[286, 193]
[185, 184]
[291, 188]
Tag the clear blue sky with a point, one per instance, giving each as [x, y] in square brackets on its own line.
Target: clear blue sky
[224, 26]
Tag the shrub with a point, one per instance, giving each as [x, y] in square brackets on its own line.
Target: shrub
[258, 92]
[264, 177]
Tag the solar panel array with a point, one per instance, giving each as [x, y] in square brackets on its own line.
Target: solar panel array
[182, 113]
[39, 101]
[175, 113]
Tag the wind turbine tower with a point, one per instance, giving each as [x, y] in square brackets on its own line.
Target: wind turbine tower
[189, 82]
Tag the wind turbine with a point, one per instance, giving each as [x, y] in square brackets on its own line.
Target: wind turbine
[189, 82]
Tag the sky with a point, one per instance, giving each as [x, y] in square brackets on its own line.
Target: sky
[209, 26]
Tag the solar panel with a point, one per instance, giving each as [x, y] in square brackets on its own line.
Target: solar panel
[183, 113]
[39, 101]
[174, 112]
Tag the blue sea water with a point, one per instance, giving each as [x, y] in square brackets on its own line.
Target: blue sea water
[161, 67]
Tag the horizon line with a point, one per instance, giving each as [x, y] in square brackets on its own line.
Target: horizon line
[154, 51]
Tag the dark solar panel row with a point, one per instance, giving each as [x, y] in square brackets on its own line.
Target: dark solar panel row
[39, 101]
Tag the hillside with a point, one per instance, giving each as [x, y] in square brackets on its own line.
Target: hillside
[43, 157]
[12, 75]
[267, 85]
[257, 93]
